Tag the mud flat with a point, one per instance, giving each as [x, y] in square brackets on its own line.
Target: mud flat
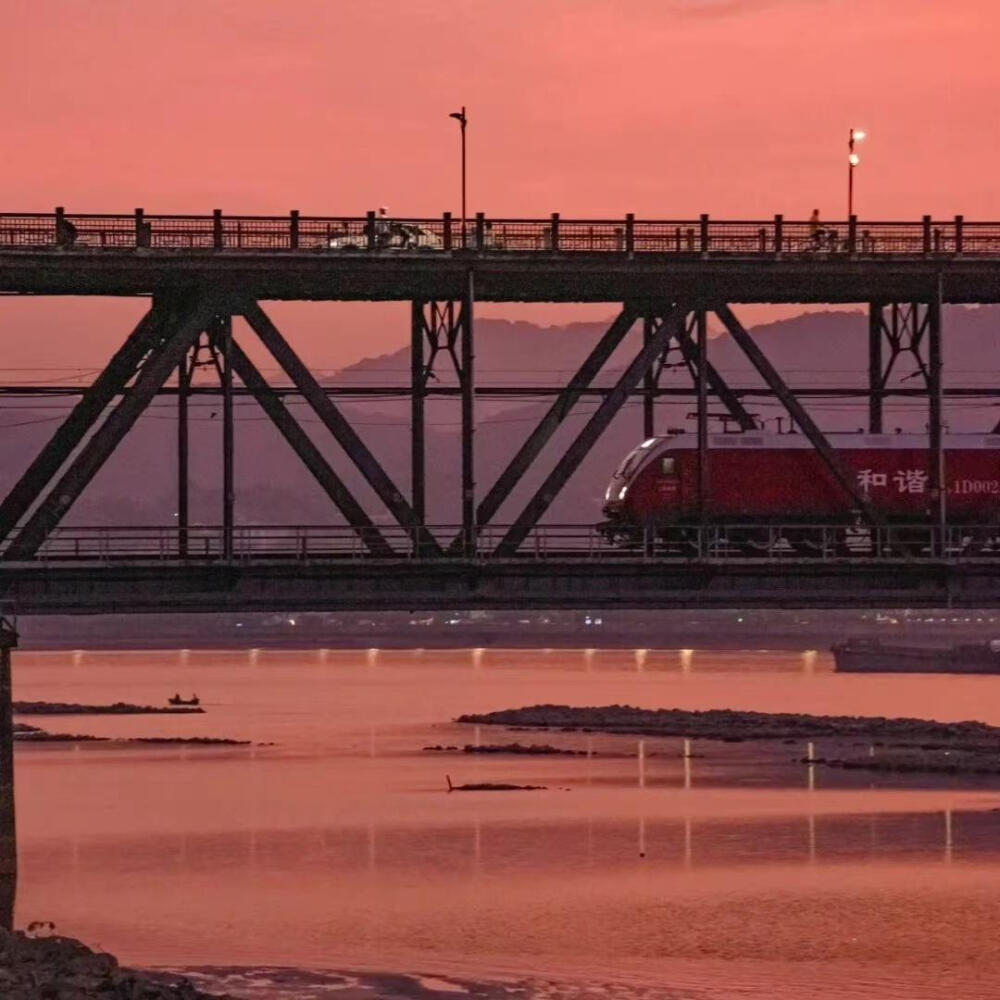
[726, 724]
[32, 734]
[116, 708]
[891, 745]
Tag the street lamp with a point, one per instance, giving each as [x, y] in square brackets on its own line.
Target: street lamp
[459, 116]
[857, 135]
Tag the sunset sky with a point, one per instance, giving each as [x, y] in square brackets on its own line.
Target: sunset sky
[739, 108]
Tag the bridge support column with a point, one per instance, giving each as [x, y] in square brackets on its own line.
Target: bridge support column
[8, 829]
[223, 334]
[876, 382]
[701, 381]
[649, 381]
[937, 481]
[466, 376]
[418, 390]
[184, 373]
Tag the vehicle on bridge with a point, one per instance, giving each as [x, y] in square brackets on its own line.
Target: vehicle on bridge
[765, 481]
[389, 235]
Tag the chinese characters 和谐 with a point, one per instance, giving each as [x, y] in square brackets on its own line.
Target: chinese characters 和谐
[904, 480]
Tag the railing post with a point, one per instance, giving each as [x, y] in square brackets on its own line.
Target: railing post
[142, 230]
[779, 234]
[447, 230]
[293, 229]
[703, 239]
[852, 235]
[927, 234]
[217, 228]
[370, 229]
[959, 224]
[480, 230]
[555, 231]
[630, 233]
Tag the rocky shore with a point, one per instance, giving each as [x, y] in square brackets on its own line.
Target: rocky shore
[59, 968]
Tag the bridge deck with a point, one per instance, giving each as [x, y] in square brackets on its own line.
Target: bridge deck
[362, 258]
[89, 570]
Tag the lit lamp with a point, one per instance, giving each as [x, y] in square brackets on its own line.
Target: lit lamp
[857, 135]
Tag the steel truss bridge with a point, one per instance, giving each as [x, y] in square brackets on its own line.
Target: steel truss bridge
[199, 272]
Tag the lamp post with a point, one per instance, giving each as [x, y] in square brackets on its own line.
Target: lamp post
[460, 117]
[853, 160]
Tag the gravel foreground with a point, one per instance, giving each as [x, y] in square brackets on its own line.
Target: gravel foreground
[60, 968]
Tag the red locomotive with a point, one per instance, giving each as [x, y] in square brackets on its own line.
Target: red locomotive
[762, 478]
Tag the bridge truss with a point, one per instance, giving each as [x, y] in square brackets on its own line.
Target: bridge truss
[200, 273]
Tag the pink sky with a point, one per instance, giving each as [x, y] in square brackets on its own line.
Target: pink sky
[739, 108]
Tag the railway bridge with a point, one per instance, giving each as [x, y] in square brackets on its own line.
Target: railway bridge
[668, 276]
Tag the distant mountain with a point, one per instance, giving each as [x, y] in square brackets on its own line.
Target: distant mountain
[137, 486]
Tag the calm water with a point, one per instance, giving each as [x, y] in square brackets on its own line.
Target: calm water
[337, 847]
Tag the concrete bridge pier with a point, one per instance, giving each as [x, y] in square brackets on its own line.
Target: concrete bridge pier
[8, 833]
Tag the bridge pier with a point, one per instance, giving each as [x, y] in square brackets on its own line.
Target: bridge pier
[8, 830]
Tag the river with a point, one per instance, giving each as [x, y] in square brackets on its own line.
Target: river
[332, 843]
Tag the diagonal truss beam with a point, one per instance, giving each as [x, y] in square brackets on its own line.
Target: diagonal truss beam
[179, 332]
[324, 408]
[94, 401]
[310, 455]
[593, 429]
[806, 424]
[556, 414]
[718, 385]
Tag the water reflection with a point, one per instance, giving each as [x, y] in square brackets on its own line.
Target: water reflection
[340, 837]
[530, 848]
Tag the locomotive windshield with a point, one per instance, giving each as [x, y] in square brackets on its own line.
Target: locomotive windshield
[632, 459]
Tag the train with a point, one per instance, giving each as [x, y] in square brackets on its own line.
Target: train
[767, 478]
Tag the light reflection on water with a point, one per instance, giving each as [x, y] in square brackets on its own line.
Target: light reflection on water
[719, 866]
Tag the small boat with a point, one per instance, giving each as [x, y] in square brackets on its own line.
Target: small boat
[868, 656]
[178, 700]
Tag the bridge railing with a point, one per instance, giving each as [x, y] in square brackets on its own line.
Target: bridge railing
[700, 237]
[724, 543]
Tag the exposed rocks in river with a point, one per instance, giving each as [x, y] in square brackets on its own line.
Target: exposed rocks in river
[531, 749]
[116, 708]
[732, 726]
[32, 734]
